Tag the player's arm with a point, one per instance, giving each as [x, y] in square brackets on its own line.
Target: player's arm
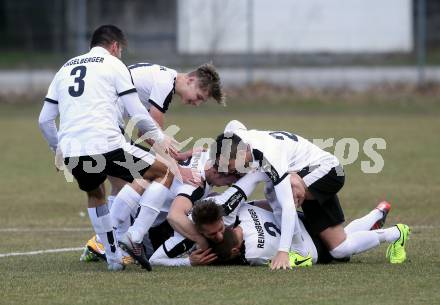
[169, 254]
[141, 117]
[47, 123]
[178, 219]
[276, 170]
[284, 196]
[157, 115]
[48, 114]
[232, 197]
[288, 223]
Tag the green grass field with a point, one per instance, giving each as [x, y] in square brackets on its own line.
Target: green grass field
[37, 202]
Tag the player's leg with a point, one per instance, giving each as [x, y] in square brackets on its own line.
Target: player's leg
[116, 185]
[91, 181]
[373, 220]
[326, 220]
[135, 163]
[125, 203]
[361, 241]
[94, 249]
[152, 199]
[342, 244]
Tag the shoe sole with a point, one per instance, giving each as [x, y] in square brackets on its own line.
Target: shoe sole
[143, 261]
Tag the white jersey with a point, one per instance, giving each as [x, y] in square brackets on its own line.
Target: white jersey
[155, 84]
[178, 188]
[279, 152]
[261, 235]
[86, 89]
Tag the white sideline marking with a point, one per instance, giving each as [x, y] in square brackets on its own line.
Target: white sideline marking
[40, 252]
[46, 229]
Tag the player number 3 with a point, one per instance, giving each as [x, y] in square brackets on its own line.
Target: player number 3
[79, 81]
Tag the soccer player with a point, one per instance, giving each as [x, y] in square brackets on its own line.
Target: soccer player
[156, 85]
[84, 93]
[255, 238]
[277, 153]
[180, 193]
[259, 234]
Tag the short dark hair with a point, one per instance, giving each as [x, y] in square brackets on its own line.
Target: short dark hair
[106, 34]
[206, 211]
[209, 79]
[224, 139]
[223, 249]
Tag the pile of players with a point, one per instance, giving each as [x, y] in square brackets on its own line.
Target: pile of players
[162, 209]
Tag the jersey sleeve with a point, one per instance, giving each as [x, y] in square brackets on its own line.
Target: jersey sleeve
[163, 89]
[191, 192]
[172, 251]
[289, 217]
[272, 164]
[122, 78]
[52, 92]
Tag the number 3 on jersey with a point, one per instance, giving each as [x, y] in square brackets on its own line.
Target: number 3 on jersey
[79, 81]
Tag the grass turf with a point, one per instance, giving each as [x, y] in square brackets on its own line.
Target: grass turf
[34, 196]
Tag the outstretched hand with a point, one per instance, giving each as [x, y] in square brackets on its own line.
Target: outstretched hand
[280, 261]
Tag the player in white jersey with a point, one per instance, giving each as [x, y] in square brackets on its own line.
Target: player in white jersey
[156, 85]
[255, 225]
[277, 153]
[84, 93]
[183, 193]
[254, 237]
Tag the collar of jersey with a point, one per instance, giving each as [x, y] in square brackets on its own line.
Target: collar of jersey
[99, 50]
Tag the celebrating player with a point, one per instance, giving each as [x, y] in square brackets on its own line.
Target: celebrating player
[84, 93]
[277, 153]
[254, 238]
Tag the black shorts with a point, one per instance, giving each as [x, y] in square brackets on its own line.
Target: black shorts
[325, 211]
[324, 256]
[91, 171]
[159, 234]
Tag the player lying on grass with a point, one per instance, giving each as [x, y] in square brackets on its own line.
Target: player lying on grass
[182, 196]
[254, 238]
[277, 153]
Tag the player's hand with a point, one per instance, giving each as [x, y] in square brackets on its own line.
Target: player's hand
[202, 243]
[169, 145]
[59, 160]
[298, 189]
[280, 261]
[190, 176]
[202, 257]
[182, 156]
